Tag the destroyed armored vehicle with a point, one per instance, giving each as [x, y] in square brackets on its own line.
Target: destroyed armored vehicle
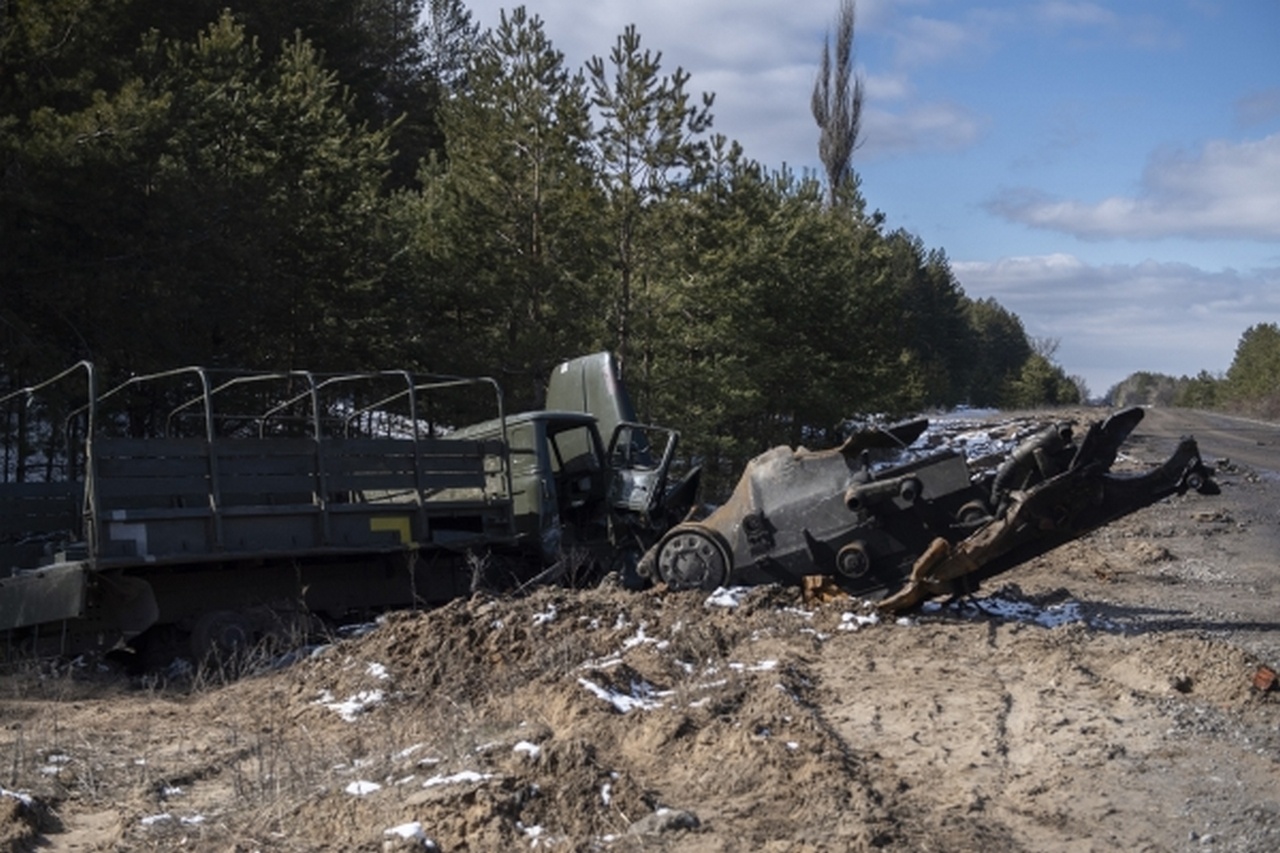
[912, 530]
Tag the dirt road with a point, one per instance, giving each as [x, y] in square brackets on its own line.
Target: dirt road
[1097, 698]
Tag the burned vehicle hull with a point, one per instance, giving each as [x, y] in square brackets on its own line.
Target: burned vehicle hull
[909, 531]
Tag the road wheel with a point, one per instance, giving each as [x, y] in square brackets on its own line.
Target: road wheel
[853, 561]
[693, 559]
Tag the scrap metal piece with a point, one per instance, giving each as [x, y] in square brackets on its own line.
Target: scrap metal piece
[1064, 507]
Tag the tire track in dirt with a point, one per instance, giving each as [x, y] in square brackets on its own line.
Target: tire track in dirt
[1058, 739]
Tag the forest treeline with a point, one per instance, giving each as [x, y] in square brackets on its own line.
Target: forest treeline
[343, 184]
[1251, 385]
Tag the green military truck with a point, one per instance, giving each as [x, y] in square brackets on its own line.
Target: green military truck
[199, 510]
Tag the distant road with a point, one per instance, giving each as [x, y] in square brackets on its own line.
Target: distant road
[1253, 443]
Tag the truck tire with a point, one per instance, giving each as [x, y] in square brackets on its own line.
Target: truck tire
[221, 635]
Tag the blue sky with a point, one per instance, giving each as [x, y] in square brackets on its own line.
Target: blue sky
[1110, 171]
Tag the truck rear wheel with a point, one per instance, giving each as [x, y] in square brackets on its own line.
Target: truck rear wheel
[221, 635]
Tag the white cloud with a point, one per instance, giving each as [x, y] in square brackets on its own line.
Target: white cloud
[1225, 190]
[924, 41]
[1116, 319]
[1092, 23]
[921, 127]
[1075, 14]
[1259, 107]
[886, 87]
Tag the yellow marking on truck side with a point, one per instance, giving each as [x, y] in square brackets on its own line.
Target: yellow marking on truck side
[399, 524]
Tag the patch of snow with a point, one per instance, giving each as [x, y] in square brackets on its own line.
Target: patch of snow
[854, 621]
[457, 778]
[378, 671]
[1007, 609]
[624, 703]
[408, 751]
[530, 749]
[606, 793]
[407, 831]
[603, 663]
[638, 638]
[412, 831]
[353, 706]
[152, 820]
[361, 788]
[1024, 611]
[729, 597]
[193, 820]
[25, 799]
[356, 630]
[549, 615]
[319, 651]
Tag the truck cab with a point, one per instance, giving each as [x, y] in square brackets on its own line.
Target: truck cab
[586, 484]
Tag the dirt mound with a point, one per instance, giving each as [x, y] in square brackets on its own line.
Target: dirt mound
[584, 718]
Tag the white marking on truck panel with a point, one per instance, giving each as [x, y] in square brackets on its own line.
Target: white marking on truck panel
[135, 533]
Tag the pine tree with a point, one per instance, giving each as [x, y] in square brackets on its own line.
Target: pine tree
[517, 207]
[1253, 379]
[649, 145]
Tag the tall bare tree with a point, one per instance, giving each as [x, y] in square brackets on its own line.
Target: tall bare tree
[837, 104]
